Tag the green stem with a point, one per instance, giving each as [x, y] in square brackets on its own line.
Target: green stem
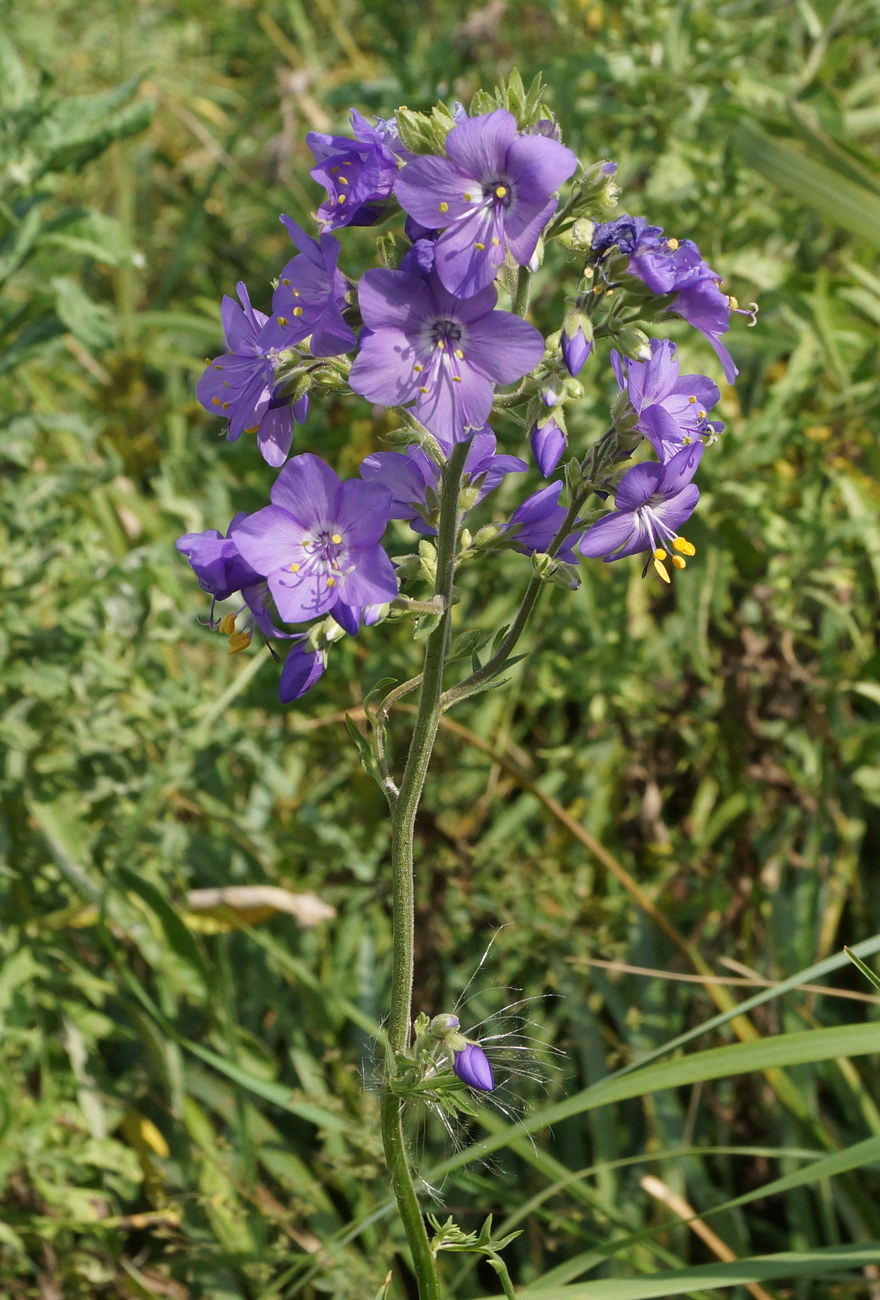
[403, 816]
[521, 297]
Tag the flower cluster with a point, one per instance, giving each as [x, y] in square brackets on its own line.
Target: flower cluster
[479, 199]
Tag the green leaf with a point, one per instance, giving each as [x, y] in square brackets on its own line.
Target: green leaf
[80, 127]
[863, 969]
[178, 935]
[842, 202]
[682, 1281]
[86, 321]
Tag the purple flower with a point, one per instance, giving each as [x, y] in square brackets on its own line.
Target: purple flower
[222, 571]
[310, 296]
[301, 670]
[318, 543]
[672, 409]
[535, 523]
[359, 173]
[423, 344]
[652, 502]
[492, 193]
[412, 474]
[674, 266]
[577, 343]
[473, 1068]
[548, 444]
[240, 385]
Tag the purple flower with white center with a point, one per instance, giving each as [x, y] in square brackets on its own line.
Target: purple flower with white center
[318, 543]
[548, 444]
[535, 523]
[359, 173]
[493, 192]
[310, 297]
[672, 409]
[240, 385]
[302, 668]
[472, 1066]
[422, 344]
[651, 504]
[411, 474]
[674, 266]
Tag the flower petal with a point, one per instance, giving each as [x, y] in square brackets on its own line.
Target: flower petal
[383, 370]
[433, 191]
[307, 489]
[608, 533]
[363, 511]
[373, 581]
[504, 347]
[480, 145]
[268, 539]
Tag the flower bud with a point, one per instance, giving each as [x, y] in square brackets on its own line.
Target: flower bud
[634, 343]
[473, 1068]
[548, 444]
[576, 341]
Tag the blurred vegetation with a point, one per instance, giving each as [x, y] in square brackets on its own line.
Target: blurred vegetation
[187, 1099]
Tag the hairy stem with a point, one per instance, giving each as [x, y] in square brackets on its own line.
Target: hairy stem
[403, 816]
[521, 297]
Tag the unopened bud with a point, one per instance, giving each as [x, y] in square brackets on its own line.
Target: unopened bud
[634, 343]
[473, 1068]
[577, 340]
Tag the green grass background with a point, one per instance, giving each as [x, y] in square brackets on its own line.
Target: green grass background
[190, 1114]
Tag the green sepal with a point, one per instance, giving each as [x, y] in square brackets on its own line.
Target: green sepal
[365, 750]
[427, 623]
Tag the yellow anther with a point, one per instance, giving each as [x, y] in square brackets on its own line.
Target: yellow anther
[679, 562]
[225, 406]
[692, 400]
[734, 302]
[331, 582]
[501, 190]
[227, 624]
[346, 164]
[218, 367]
[343, 180]
[480, 246]
[226, 384]
[597, 288]
[334, 170]
[701, 415]
[294, 568]
[418, 369]
[423, 389]
[672, 243]
[306, 541]
[341, 199]
[608, 293]
[297, 311]
[252, 429]
[456, 379]
[686, 440]
[682, 544]
[208, 361]
[239, 641]
[444, 207]
[296, 293]
[459, 354]
[285, 280]
[495, 241]
[468, 197]
[282, 320]
[336, 539]
[661, 569]
[216, 401]
[659, 553]
[440, 344]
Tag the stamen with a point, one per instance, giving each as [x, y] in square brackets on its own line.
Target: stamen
[294, 568]
[239, 641]
[734, 304]
[285, 280]
[692, 400]
[343, 180]
[282, 320]
[225, 406]
[456, 379]
[701, 415]
[216, 401]
[608, 293]
[672, 243]
[444, 207]
[227, 624]
[423, 389]
[440, 344]
[659, 553]
[501, 190]
[334, 171]
[495, 240]
[346, 164]
[252, 429]
[481, 247]
[661, 570]
[679, 562]
[341, 198]
[336, 539]
[418, 368]
[218, 367]
[297, 311]
[296, 293]
[331, 582]
[468, 197]
[597, 288]
[682, 544]
[459, 354]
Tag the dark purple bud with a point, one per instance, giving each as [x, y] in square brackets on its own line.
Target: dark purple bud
[301, 670]
[548, 444]
[473, 1068]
